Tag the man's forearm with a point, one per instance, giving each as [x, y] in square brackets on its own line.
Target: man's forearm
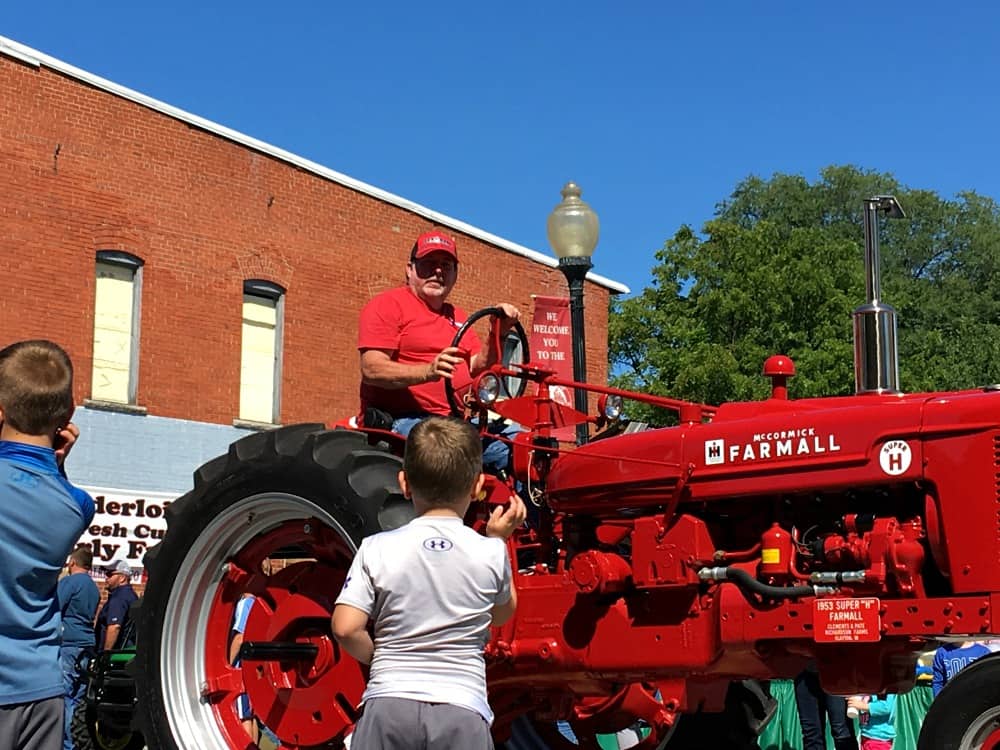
[111, 636]
[359, 645]
[394, 375]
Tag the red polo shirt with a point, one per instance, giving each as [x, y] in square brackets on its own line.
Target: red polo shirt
[399, 321]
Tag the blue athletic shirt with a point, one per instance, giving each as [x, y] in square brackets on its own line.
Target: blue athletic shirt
[41, 517]
[950, 659]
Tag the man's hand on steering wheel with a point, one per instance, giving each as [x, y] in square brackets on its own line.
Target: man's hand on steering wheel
[511, 315]
[505, 316]
[444, 364]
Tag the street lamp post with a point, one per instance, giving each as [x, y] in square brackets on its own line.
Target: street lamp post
[573, 229]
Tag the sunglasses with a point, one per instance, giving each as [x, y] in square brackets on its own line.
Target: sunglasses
[427, 267]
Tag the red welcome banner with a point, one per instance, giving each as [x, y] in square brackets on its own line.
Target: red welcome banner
[551, 342]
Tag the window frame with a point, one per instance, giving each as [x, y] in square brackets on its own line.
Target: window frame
[135, 264]
[267, 290]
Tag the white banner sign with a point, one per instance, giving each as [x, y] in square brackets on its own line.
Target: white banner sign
[126, 524]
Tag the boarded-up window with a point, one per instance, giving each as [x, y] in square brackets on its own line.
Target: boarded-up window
[116, 328]
[260, 359]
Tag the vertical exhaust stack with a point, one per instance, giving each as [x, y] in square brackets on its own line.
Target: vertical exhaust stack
[876, 355]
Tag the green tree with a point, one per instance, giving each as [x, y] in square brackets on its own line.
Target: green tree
[780, 268]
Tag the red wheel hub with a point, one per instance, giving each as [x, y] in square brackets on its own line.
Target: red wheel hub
[305, 700]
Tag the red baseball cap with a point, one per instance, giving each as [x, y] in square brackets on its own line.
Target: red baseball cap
[433, 242]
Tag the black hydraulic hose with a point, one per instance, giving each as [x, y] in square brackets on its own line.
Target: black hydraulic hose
[748, 584]
[277, 651]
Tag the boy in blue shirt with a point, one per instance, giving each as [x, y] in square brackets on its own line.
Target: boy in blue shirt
[41, 517]
[950, 658]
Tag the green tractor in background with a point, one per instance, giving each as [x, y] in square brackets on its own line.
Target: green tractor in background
[102, 719]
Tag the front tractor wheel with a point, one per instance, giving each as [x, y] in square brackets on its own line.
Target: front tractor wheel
[299, 499]
[966, 713]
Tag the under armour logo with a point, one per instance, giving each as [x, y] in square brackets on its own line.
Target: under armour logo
[438, 544]
[347, 581]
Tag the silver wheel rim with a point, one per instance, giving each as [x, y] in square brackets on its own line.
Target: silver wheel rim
[183, 676]
[981, 728]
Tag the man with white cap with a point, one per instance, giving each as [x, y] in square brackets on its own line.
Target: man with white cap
[114, 613]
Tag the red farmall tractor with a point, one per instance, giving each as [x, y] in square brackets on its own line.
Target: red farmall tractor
[665, 575]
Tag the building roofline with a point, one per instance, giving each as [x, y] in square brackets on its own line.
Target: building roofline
[35, 58]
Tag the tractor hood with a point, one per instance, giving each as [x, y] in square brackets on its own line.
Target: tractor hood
[764, 447]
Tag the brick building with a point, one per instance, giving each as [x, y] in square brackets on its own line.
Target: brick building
[205, 283]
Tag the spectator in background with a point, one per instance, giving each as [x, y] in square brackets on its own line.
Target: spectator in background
[951, 658]
[78, 599]
[876, 719]
[814, 707]
[41, 517]
[243, 607]
[114, 613]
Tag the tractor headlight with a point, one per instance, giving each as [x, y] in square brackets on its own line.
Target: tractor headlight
[612, 407]
[488, 389]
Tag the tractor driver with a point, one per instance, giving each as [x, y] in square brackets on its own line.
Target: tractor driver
[404, 338]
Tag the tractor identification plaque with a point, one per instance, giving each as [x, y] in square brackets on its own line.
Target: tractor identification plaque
[846, 620]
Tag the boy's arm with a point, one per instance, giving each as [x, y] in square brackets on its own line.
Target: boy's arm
[64, 439]
[350, 628]
[501, 613]
[881, 708]
[938, 674]
[504, 521]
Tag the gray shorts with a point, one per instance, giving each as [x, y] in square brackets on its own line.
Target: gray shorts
[33, 726]
[403, 724]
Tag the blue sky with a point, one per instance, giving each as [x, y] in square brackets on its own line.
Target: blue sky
[482, 111]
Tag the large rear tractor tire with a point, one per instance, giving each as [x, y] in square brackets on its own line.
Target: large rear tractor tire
[303, 496]
[965, 715]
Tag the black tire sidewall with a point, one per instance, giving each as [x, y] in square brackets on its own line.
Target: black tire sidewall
[967, 696]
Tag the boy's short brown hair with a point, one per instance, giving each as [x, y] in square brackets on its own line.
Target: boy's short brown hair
[36, 387]
[443, 460]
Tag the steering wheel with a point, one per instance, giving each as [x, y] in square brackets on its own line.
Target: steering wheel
[457, 408]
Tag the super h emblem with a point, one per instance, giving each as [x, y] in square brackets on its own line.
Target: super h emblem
[895, 457]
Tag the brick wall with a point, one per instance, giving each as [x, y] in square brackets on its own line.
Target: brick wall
[83, 170]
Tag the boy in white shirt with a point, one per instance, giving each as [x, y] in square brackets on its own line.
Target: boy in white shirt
[433, 588]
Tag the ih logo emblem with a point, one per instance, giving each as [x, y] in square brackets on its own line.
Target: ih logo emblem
[895, 457]
[715, 452]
